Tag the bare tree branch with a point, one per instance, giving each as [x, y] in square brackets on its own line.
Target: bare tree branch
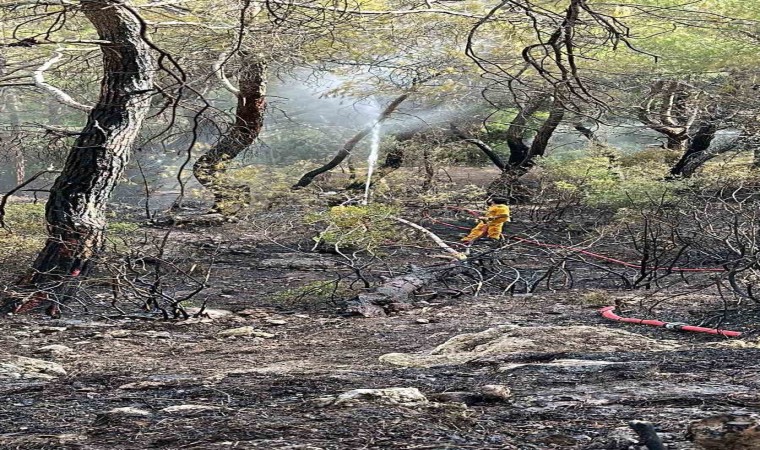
[219, 72]
[62, 97]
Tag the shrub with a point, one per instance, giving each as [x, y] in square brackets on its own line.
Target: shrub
[356, 227]
[595, 181]
[25, 234]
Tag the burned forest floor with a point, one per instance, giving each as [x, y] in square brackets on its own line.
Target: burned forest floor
[270, 363]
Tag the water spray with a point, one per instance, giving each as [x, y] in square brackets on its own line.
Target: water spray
[372, 159]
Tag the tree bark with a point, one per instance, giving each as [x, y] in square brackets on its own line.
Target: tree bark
[522, 156]
[697, 160]
[541, 141]
[664, 111]
[696, 152]
[211, 168]
[75, 211]
[519, 151]
[348, 147]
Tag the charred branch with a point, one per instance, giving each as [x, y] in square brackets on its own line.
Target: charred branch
[485, 148]
[348, 147]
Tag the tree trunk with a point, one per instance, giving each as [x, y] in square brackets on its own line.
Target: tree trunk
[522, 157]
[348, 147]
[75, 211]
[541, 141]
[211, 168]
[519, 151]
[20, 163]
[698, 145]
[665, 111]
[678, 142]
[697, 160]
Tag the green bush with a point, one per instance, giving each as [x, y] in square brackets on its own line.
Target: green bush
[596, 181]
[25, 234]
[356, 227]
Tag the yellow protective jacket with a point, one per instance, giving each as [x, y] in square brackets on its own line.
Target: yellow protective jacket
[496, 216]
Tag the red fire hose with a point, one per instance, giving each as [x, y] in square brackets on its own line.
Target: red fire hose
[580, 250]
[608, 313]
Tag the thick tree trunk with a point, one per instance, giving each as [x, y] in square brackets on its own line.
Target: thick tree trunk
[522, 156]
[698, 145]
[397, 293]
[519, 151]
[348, 147]
[541, 141]
[210, 169]
[697, 160]
[677, 142]
[75, 211]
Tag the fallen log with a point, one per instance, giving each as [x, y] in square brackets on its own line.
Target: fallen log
[397, 293]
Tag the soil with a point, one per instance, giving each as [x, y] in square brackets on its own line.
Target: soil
[265, 389]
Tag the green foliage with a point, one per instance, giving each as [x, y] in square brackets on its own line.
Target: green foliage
[597, 181]
[26, 222]
[269, 185]
[660, 158]
[453, 194]
[356, 227]
[314, 295]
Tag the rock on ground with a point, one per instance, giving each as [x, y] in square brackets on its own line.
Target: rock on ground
[21, 367]
[126, 415]
[393, 396]
[508, 339]
[490, 393]
[55, 350]
[244, 331]
[185, 409]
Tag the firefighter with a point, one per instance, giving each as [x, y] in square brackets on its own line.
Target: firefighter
[491, 224]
